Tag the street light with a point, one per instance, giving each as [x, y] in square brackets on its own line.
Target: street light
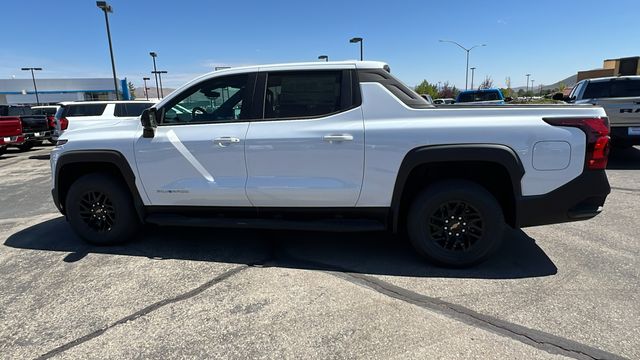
[159, 75]
[527, 84]
[473, 70]
[323, 57]
[146, 89]
[153, 56]
[108, 9]
[357, 40]
[33, 77]
[466, 75]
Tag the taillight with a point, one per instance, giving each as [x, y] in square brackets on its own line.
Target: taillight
[51, 122]
[597, 131]
[64, 123]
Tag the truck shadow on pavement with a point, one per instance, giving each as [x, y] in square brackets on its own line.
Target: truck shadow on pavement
[366, 253]
[624, 159]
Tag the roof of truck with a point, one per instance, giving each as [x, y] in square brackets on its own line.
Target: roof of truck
[626, 77]
[107, 102]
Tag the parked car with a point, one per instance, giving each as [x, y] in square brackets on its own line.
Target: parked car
[50, 112]
[444, 101]
[81, 114]
[35, 128]
[10, 132]
[481, 97]
[620, 98]
[304, 146]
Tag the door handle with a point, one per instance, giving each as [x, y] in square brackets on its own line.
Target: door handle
[337, 137]
[225, 140]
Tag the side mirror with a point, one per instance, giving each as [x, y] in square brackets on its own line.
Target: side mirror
[148, 120]
[558, 96]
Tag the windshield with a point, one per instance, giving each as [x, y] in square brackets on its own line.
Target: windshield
[44, 111]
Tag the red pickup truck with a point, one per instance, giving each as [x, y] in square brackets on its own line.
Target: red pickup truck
[10, 132]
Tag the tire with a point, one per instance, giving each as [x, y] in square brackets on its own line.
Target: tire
[26, 146]
[476, 228]
[3, 150]
[113, 219]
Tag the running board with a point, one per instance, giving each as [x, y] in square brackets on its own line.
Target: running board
[341, 225]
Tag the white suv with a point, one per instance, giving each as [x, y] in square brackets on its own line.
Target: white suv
[81, 114]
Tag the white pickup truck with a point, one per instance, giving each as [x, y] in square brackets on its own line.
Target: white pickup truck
[620, 98]
[334, 146]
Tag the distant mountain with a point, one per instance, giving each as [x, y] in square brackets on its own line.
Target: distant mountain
[152, 92]
[569, 82]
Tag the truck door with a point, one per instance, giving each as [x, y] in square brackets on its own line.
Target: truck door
[196, 157]
[308, 150]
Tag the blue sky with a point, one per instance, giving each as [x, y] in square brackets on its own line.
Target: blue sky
[549, 39]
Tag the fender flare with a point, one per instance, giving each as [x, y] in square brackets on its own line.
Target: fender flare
[433, 154]
[92, 157]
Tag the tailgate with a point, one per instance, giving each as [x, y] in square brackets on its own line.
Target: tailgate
[10, 126]
[622, 111]
[34, 123]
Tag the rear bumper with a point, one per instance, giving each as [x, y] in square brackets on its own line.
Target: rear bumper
[580, 199]
[36, 136]
[621, 134]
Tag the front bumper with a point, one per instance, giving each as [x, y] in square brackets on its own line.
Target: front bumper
[580, 199]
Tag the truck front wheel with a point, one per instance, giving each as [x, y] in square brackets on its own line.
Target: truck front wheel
[100, 210]
[455, 223]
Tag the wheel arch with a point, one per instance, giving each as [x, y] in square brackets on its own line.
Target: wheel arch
[492, 165]
[73, 164]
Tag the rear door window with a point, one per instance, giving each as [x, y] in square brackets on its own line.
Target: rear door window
[131, 109]
[597, 89]
[301, 94]
[84, 110]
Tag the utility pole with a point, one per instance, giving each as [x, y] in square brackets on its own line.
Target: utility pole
[527, 84]
[358, 40]
[33, 77]
[466, 73]
[108, 9]
[473, 70]
[146, 89]
[159, 75]
[155, 70]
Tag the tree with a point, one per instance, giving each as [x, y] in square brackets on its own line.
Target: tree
[426, 88]
[521, 93]
[487, 83]
[561, 87]
[132, 90]
[448, 91]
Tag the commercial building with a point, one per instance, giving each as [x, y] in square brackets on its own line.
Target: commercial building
[613, 67]
[50, 91]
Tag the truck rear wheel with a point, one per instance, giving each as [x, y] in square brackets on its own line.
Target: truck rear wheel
[26, 146]
[455, 223]
[100, 210]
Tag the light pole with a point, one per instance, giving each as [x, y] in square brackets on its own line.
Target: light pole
[106, 8]
[357, 40]
[473, 70]
[33, 77]
[532, 88]
[323, 57]
[146, 89]
[466, 75]
[159, 74]
[153, 56]
[527, 84]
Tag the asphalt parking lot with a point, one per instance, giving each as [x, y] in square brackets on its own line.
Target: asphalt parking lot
[566, 290]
